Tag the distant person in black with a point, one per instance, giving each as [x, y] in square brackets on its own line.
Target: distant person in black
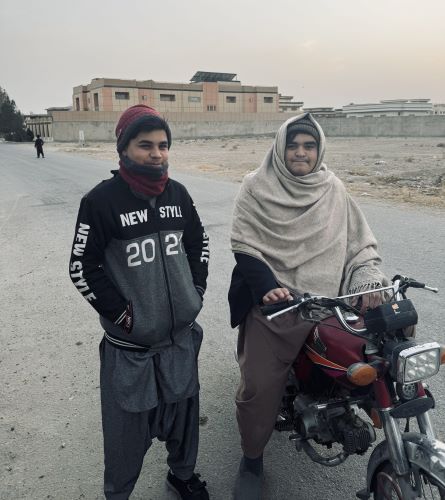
[38, 144]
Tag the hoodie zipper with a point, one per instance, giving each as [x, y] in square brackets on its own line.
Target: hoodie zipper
[164, 265]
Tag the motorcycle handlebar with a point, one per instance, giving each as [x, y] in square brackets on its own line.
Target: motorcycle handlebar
[337, 304]
[417, 284]
[412, 283]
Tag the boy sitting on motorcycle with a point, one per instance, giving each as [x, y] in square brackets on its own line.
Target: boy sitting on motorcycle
[295, 230]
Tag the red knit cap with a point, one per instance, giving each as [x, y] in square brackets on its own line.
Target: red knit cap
[133, 119]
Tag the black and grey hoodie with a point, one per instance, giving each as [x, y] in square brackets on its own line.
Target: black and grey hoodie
[126, 251]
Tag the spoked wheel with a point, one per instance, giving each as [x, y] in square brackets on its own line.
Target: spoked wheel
[387, 486]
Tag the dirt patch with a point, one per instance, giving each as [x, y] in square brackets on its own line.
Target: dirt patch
[407, 170]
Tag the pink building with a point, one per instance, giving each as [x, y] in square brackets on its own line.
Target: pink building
[206, 92]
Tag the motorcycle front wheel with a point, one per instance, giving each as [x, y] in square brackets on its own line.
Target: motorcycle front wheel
[388, 488]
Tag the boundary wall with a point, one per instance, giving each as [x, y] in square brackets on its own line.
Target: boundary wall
[100, 126]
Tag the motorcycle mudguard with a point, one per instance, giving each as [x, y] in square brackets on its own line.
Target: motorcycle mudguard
[427, 454]
[378, 457]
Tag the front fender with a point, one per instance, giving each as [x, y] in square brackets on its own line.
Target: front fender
[427, 454]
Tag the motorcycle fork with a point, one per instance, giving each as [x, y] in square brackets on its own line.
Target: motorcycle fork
[424, 420]
[394, 439]
[425, 425]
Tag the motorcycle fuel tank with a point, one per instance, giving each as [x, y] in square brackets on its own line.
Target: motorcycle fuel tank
[333, 349]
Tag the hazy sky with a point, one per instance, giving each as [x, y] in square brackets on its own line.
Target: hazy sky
[323, 52]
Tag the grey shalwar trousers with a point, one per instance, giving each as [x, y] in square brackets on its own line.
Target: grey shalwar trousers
[266, 351]
[128, 435]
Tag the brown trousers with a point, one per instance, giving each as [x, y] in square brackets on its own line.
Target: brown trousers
[266, 351]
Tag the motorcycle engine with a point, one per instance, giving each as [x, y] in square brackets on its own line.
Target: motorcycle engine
[332, 422]
[355, 434]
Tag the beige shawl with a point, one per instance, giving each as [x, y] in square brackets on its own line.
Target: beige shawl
[307, 229]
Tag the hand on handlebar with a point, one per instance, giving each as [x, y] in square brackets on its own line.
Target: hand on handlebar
[276, 295]
[368, 301]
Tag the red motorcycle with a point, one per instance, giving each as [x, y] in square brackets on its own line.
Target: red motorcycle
[356, 374]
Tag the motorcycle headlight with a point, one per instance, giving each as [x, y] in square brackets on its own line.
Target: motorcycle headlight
[418, 362]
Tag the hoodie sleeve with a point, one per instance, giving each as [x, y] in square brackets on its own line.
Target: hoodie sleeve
[196, 244]
[86, 270]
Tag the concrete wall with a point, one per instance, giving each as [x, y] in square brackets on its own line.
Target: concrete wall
[387, 126]
[100, 126]
[104, 131]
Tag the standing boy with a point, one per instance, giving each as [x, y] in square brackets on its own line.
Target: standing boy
[140, 258]
[38, 144]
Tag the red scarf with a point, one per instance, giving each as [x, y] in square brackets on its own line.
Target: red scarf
[149, 180]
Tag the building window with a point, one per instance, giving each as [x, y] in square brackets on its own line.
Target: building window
[193, 98]
[122, 95]
[268, 100]
[96, 101]
[167, 97]
[231, 99]
[211, 107]
[144, 97]
[77, 104]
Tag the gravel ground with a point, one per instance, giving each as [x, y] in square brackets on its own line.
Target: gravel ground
[408, 170]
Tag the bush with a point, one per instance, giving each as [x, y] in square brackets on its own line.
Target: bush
[12, 122]
[16, 137]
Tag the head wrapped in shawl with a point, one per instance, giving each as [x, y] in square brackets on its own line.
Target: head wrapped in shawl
[307, 229]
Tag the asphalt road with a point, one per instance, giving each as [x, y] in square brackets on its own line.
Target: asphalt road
[50, 433]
